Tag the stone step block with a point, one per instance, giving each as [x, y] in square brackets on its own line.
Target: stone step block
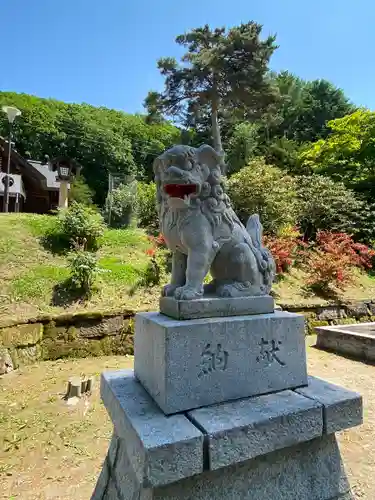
[251, 427]
[342, 408]
[248, 449]
[161, 449]
[187, 364]
[213, 307]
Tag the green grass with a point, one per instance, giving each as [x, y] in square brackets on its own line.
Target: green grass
[31, 273]
[38, 282]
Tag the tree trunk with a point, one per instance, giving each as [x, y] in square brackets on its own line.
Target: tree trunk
[216, 136]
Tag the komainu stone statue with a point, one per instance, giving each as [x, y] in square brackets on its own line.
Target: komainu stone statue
[204, 233]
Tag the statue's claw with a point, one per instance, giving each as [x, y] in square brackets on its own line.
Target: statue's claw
[187, 293]
[168, 290]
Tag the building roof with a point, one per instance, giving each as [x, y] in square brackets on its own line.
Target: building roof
[40, 172]
[50, 183]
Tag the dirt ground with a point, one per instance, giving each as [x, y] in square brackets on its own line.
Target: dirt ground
[53, 451]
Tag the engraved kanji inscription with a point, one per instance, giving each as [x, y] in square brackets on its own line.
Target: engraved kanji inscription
[270, 351]
[212, 359]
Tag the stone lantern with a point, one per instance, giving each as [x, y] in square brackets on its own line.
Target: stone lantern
[66, 169]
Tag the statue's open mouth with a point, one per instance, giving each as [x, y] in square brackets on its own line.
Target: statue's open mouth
[182, 191]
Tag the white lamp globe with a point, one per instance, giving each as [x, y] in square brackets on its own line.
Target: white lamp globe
[11, 113]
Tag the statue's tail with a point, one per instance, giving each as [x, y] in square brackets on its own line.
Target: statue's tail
[255, 230]
[264, 257]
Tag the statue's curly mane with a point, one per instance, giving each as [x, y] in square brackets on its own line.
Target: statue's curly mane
[212, 198]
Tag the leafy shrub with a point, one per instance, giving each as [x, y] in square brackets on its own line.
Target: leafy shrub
[286, 248]
[72, 226]
[147, 215]
[80, 191]
[84, 269]
[121, 205]
[327, 205]
[158, 266]
[266, 190]
[332, 259]
[241, 145]
[79, 224]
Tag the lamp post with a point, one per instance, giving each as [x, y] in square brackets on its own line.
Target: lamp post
[64, 174]
[67, 169]
[11, 113]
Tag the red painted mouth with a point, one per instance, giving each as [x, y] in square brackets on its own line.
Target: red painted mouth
[180, 190]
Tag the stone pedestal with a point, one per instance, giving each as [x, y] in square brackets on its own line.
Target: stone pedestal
[194, 363]
[222, 408]
[277, 446]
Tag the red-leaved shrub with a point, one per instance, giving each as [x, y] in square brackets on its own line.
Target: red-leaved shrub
[332, 258]
[286, 249]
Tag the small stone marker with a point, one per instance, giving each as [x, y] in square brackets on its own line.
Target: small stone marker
[77, 387]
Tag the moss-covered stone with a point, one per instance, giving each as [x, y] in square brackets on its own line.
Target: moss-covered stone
[330, 313]
[96, 328]
[58, 347]
[6, 363]
[308, 313]
[312, 324]
[63, 332]
[363, 319]
[357, 309]
[21, 335]
[29, 355]
[14, 356]
[88, 328]
[345, 321]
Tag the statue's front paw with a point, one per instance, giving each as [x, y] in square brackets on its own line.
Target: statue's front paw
[187, 293]
[168, 290]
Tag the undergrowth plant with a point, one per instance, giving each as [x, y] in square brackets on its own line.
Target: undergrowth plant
[84, 269]
[286, 248]
[331, 260]
[158, 266]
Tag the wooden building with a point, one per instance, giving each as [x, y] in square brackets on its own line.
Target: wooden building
[34, 186]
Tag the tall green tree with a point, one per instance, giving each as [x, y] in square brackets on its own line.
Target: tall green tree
[348, 153]
[101, 140]
[242, 145]
[220, 69]
[305, 107]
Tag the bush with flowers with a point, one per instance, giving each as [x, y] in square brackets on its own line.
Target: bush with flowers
[158, 266]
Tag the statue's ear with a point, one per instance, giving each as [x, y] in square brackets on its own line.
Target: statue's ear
[157, 165]
[207, 155]
[211, 158]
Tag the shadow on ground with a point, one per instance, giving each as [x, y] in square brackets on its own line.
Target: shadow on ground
[66, 293]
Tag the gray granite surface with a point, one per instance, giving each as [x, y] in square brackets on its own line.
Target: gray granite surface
[341, 408]
[308, 471]
[211, 307]
[160, 448]
[251, 427]
[188, 364]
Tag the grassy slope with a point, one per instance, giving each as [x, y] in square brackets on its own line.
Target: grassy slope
[29, 273]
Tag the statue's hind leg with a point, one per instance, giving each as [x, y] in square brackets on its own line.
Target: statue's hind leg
[243, 278]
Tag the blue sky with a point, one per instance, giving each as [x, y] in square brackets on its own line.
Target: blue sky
[105, 52]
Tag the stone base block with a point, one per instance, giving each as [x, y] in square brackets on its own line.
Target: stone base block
[194, 363]
[268, 447]
[357, 341]
[309, 471]
[212, 307]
